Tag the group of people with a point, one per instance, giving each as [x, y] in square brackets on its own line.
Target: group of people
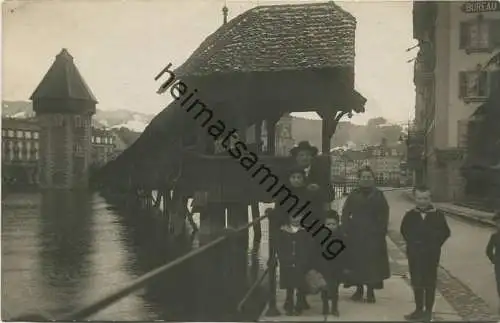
[362, 225]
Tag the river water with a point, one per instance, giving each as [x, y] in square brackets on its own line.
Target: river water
[61, 251]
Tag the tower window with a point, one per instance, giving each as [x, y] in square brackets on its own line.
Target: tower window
[35, 135]
[11, 133]
[78, 148]
[58, 120]
[19, 134]
[78, 122]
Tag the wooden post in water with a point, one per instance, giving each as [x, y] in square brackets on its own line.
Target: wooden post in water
[237, 216]
[272, 309]
[212, 221]
[257, 229]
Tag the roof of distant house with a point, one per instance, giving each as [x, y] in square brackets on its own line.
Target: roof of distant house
[278, 37]
[21, 124]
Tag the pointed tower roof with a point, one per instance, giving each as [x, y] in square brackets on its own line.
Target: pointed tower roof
[63, 81]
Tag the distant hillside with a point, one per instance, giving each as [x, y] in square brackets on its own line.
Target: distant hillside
[358, 135]
[302, 129]
[134, 121]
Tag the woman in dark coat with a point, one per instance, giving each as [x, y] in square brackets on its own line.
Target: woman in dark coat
[365, 217]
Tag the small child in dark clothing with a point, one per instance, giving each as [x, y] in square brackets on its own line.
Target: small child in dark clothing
[331, 269]
[425, 230]
[294, 262]
[493, 250]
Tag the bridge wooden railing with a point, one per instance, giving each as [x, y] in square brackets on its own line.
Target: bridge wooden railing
[156, 274]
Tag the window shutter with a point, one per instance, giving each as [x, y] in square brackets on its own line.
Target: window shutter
[494, 32]
[494, 82]
[483, 84]
[464, 35]
[462, 86]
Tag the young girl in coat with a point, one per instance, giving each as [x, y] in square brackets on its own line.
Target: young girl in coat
[294, 249]
[294, 262]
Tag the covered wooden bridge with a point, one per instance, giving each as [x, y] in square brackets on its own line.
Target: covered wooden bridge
[268, 61]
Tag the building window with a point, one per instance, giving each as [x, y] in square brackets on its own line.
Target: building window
[19, 134]
[474, 85]
[27, 134]
[98, 140]
[480, 34]
[11, 133]
[58, 120]
[35, 135]
[6, 149]
[4, 133]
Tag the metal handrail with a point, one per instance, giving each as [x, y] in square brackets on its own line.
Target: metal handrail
[148, 277]
[252, 289]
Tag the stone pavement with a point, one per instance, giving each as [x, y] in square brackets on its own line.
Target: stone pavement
[461, 211]
[393, 302]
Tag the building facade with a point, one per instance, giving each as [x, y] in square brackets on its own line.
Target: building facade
[21, 149]
[104, 146]
[284, 140]
[387, 162]
[456, 39]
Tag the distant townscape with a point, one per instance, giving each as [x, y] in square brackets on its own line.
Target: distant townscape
[113, 131]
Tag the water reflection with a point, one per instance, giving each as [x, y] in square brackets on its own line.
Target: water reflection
[63, 250]
[65, 243]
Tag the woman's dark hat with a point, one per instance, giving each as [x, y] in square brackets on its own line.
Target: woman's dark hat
[304, 145]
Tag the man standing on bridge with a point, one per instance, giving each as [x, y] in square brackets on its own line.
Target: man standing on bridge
[304, 156]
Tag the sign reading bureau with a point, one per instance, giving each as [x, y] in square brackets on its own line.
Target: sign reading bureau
[480, 6]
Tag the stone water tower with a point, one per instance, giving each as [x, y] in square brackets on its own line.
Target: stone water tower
[64, 106]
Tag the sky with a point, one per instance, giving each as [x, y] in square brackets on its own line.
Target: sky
[120, 45]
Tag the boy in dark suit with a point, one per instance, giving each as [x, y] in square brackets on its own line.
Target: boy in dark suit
[493, 250]
[425, 230]
[331, 269]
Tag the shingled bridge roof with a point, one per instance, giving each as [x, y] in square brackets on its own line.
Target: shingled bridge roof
[277, 37]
